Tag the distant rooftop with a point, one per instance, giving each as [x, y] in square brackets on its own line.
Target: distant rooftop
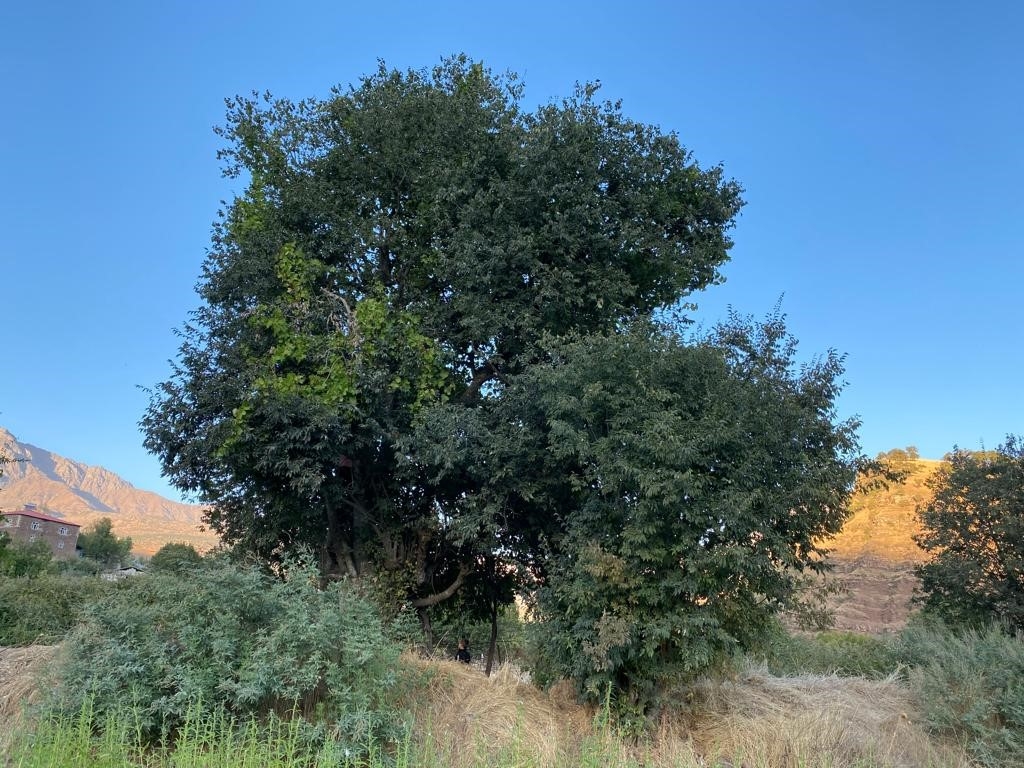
[30, 510]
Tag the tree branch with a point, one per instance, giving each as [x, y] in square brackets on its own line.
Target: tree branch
[437, 597]
[481, 376]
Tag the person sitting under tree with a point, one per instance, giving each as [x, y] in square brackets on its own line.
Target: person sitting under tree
[462, 654]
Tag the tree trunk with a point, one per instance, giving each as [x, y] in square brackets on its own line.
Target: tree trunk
[428, 630]
[492, 646]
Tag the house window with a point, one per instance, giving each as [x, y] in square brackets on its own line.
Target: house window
[60, 545]
[36, 525]
[63, 531]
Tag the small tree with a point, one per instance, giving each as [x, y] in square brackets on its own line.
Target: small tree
[175, 557]
[974, 530]
[99, 543]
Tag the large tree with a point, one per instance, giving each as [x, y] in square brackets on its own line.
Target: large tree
[403, 253]
[973, 529]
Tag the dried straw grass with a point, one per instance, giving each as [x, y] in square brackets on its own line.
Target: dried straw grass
[20, 670]
[815, 721]
[467, 716]
[754, 721]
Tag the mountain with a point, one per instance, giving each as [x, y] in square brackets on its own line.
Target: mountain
[83, 494]
[875, 553]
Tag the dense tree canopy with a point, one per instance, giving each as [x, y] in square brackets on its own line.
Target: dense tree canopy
[175, 557]
[427, 348]
[403, 245]
[974, 530]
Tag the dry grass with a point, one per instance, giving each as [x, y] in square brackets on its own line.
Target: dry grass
[815, 721]
[466, 716]
[754, 721]
[20, 670]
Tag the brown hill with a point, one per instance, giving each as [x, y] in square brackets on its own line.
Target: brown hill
[84, 494]
[875, 553]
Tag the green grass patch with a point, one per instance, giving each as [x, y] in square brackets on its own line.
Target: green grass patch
[847, 654]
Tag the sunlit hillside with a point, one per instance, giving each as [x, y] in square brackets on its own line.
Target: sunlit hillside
[875, 553]
[83, 494]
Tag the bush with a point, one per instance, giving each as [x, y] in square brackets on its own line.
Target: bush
[175, 557]
[972, 532]
[45, 607]
[99, 542]
[969, 686]
[846, 654]
[234, 640]
[23, 559]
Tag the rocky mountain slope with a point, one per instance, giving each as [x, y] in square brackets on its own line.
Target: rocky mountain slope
[83, 494]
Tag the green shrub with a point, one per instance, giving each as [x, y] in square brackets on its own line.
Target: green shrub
[43, 608]
[99, 542]
[969, 686]
[847, 654]
[234, 640]
[175, 557]
[77, 566]
[19, 558]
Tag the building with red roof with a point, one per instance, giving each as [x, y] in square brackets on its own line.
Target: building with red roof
[29, 524]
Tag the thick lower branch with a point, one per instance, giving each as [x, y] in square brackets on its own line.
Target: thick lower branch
[437, 597]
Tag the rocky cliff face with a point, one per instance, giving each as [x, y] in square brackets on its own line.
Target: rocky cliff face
[84, 494]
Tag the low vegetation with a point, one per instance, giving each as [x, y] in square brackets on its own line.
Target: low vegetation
[969, 687]
[44, 607]
[458, 718]
[234, 642]
[218, 663]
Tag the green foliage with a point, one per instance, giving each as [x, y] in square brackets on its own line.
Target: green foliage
[229, 639]
[404, 247]
[968, 685]
[694, 483]
[79, 566]
[44, 607]
[910, 453]
[98, 542]
[427, 350]
[175, 557]
[898, 460]
[973, 529]
[114, 740]
[848, 654]
[19, 558]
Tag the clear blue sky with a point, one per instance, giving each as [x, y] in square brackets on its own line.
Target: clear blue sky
[879, 144]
